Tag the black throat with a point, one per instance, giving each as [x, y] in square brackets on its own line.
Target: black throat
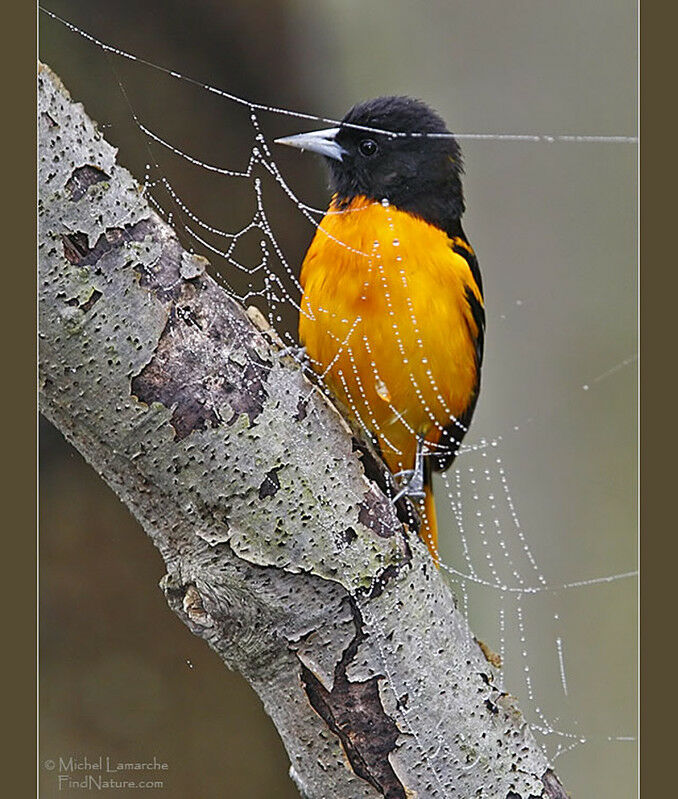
[439, 207]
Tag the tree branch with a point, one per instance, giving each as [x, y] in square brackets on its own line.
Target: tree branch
[280, 551]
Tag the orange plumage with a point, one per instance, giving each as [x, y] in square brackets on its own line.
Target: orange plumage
[385, 319]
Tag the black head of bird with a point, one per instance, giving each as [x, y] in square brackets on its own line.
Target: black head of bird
[396, 149]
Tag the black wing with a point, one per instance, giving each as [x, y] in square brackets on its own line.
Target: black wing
[453, 434]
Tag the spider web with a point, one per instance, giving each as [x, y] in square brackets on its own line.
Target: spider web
[514, 597]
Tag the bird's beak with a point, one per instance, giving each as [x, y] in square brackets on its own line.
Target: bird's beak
[317, 141]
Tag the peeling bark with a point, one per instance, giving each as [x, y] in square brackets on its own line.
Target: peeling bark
[281, 546]
[352, 709]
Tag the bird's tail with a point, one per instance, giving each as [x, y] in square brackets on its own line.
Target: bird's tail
[429, 523]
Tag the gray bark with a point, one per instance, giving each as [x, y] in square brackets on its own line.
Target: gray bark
[280, 551]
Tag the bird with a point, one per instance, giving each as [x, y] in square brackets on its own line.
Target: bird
[392, 312]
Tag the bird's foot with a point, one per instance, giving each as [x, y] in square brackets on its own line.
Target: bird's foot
[411, 482]
[298, 354]
[293, 351]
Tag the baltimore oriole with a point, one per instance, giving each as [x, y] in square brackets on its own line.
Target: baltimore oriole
[392, 311]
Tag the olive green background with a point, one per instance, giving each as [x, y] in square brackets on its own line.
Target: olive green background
[555, 229]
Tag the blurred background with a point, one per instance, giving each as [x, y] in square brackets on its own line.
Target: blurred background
[554, 225]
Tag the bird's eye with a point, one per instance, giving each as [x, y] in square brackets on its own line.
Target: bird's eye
[368, 147]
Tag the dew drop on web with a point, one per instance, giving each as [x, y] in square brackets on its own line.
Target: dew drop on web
[382, 391]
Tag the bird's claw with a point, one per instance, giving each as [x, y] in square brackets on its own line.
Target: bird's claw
[294, 351]
[412, 484]
[300, 356]
[411, 481]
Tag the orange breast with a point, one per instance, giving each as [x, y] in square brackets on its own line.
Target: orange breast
[385, 320]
